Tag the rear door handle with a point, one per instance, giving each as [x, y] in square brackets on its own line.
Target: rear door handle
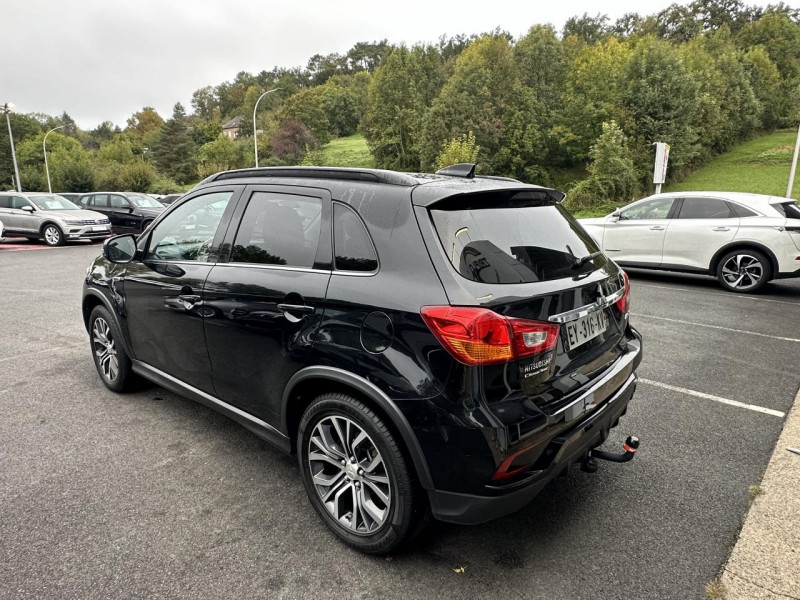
[721, 229]
[301, 308]
[657, 228]
[290, 310]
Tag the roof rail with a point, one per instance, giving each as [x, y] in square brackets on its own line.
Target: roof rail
[342, 174]
[464, 170]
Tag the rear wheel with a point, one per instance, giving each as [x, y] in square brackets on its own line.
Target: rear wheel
[356, 475]
[744, 271]
[52, 235]
[113, 365]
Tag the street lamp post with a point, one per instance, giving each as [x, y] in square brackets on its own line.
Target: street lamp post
[44, 149]
[255, 129]
[6, 108]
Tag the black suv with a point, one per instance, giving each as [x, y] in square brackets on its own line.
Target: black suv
[436, 345]
[128, 212]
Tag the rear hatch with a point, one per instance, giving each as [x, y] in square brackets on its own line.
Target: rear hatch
[518, 254]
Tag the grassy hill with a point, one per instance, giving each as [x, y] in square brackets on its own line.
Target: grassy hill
[759, 166]
[351, 151]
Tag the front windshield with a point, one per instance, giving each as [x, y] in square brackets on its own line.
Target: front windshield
[143, 201]
[53, 202]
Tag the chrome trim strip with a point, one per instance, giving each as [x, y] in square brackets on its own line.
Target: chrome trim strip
[577, 313]
[271, 267]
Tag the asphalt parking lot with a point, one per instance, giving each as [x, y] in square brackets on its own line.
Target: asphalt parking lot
[149, 495]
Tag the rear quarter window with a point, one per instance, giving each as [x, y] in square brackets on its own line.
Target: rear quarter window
[522, 239]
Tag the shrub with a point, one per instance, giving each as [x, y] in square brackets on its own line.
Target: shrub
[458, 150]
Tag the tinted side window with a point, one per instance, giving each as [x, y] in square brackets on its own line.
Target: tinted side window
[705, 208]
[100, 200]
[657, 208]
[279, 229]
[5, 201]
[187, 233]
[118, 202]
[741, 211]
[353, 249]
[19, 202]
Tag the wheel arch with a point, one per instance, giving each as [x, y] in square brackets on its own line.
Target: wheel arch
[50, 222]
[744, 245]
[93, 298]
[309, 383]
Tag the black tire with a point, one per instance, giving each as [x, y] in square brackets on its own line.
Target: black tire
[744, 271]
[407, 510]
[52, 235]
[122, 378]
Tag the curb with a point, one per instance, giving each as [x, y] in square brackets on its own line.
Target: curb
[765, 562]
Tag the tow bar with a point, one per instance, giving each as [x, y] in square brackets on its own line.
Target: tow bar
[589, 464]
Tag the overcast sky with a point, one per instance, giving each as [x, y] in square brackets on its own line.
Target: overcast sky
[104, 59]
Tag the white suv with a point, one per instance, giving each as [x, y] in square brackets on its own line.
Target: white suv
[745, 240]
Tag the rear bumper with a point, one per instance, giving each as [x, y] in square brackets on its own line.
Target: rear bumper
[571, 446]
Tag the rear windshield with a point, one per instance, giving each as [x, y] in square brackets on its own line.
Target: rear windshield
[790, 210]
[522, 239]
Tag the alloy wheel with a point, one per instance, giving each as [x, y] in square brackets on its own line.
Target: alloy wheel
[742, 271]
[105, 349]
[52, 235]
[349, 475]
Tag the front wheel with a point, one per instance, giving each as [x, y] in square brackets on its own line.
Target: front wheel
[52, 235]
[356, 475]
[744, 271]
[113, 365]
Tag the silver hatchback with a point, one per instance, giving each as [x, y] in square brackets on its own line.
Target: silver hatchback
[49, 217]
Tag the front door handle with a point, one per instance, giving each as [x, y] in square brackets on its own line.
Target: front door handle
[656, 228]
[190, 298]
[721, 229]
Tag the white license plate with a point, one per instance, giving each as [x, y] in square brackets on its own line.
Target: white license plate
[581, 330]
[98, 228]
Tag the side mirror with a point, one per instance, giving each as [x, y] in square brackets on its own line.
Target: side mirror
[120, 249]
[27, 208]
[614, 216]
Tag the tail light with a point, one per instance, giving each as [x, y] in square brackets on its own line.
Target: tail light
[624, 303]
[479, 336]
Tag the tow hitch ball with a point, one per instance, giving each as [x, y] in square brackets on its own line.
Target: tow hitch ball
[589, 464]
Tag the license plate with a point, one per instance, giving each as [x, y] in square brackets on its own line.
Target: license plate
[98, 228]
[582, 330]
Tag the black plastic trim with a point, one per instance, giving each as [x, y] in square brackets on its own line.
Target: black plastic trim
[374, 393]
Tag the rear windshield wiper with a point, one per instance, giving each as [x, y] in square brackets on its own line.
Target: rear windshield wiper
[585, 259]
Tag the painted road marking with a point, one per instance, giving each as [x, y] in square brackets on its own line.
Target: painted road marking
[736, 296]
[675, 388]
[773, 337]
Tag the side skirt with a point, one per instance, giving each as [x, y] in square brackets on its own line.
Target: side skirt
[261, 428]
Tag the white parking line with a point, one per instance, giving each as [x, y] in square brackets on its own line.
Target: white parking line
[737, 296]
[774, 337]
[675, 388]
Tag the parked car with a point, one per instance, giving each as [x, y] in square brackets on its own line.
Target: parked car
[426, 344]
[129, 212]
[51, 218]
[169, 199]
[74, 198]
[745, 240]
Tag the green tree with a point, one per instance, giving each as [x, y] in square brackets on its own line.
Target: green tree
[486, 96]
[458, 150]
[203, 132]
[138, 176]
[661, 105]
[74, 174]
[589, 29]
[341, 107]
[612, 174]
[145, 125]
[220, 155]
[399, 95]
[174, 151]
[765, 80]
[23, 127]
[307, 107]
[205, 103]
[118, 150]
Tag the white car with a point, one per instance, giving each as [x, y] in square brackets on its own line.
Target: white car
[745, 240]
